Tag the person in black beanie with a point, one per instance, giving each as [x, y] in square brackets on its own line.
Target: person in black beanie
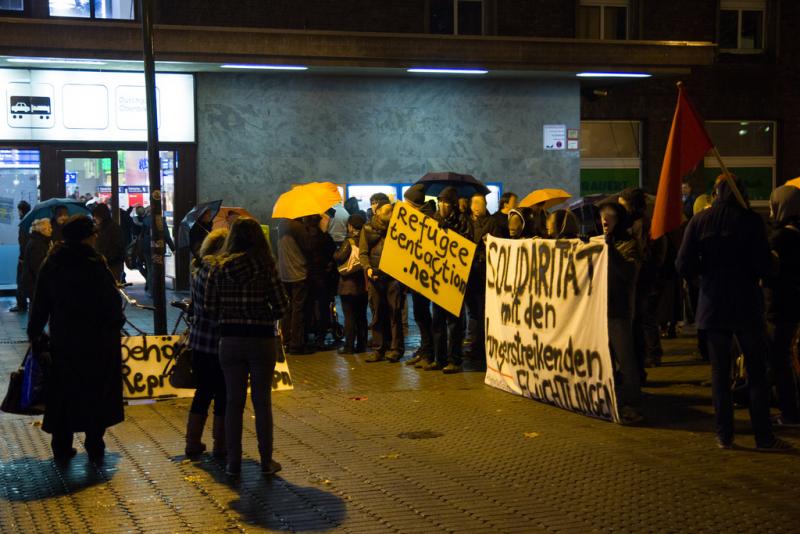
[77, 294]
[448, 329]
[420, 304]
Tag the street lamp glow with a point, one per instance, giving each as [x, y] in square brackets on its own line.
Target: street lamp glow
[613, 75]
[55, 61]
[262, 67]
[433, 70]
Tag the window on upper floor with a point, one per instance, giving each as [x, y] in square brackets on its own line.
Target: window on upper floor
[742, 25]
[748, 150]
[94, 9]
[12, 5]
[603, 19]
[456, 17]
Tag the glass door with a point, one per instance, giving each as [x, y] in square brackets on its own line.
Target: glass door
[91, 176]
[19, 180]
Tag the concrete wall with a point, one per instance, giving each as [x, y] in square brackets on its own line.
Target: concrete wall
[257, 134]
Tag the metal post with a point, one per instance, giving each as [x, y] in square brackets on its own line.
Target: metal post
[154, 171]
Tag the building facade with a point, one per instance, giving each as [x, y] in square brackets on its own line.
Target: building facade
[518, 115]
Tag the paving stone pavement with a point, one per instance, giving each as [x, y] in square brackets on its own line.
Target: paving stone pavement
[385, 448]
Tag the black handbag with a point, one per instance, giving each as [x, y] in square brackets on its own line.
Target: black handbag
[180, 373]
[12, 403]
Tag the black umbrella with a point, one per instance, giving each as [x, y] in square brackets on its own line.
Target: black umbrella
[467, 185]
[189, 222]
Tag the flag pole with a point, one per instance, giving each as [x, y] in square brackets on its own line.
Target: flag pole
[725, 172]
[728, 176]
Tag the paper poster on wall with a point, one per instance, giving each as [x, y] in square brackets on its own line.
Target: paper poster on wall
[547, 323]
[53, 105]
[427, 259]
[555, 136]
[147, 362]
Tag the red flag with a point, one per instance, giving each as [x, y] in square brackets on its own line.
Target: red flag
[688, 144]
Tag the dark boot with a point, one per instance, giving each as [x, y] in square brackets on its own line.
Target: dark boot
[218, 431]
[194, 432]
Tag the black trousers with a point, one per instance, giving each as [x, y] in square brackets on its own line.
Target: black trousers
[22, 300]
[475, 301]
[646, 328]
[388, 296]
[422, 316]
[780, 367]
[210, 384]
[318, 302]
[448, 335]
[753, 343]
[61, 442]
[355, 321]
[294, 331]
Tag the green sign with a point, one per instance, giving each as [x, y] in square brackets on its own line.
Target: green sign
[757, 180]
[607, 181]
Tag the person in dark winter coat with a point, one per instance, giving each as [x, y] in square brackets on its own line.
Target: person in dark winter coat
[319, 259]
[386, 294]
[482, 225]
[352, 290]
[562, 224]
[624, 260]
[77, 296]
[204, 342]
[22, 299]
[508, 201]
[110, 242]
[726, 245]
[245, 296]
[527, 222]
[448, 329]
[649, 285]
[36, 250]
[783, 300]
[421, 305]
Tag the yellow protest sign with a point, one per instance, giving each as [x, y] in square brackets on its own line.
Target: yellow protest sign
[426, 258]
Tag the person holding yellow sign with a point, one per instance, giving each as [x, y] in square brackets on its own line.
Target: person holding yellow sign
[448, 329]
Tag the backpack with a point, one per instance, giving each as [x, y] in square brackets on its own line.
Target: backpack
[352, 265]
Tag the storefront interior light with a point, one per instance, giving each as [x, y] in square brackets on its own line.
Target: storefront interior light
[262, 67]
[613, 75]
[432, 70]
[55, 61]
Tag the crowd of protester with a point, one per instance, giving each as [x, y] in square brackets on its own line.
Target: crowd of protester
[714, 271]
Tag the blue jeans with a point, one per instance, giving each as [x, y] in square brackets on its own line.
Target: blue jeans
[242, 358]
[753, 342]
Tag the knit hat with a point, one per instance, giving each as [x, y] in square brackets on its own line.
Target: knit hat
[78, 228]
[415, 195]
[356, 221]
[450, 195]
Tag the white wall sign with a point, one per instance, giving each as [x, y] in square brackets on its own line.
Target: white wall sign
[52, 105]
[555, 136]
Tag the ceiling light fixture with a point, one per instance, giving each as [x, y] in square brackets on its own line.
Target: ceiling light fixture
[613, 75]
[55, 61]
[434, 70]
[262, 67]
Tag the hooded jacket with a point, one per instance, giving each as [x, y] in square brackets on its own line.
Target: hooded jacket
[726, 246]
[33, 256]
[244, 295]
[370, 244]
[783, 287]
[624, 261]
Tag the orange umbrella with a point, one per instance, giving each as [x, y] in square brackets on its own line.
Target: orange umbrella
[306, 199]
[794, 181]
[221, 219]
[547, 198]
